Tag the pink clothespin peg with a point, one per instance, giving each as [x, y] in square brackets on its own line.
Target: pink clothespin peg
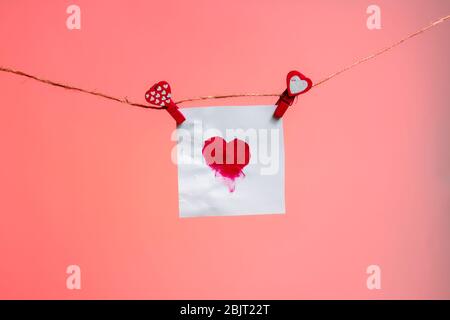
[296, 84]
[160, 94]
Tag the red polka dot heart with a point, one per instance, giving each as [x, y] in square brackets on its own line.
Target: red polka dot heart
[159, 94]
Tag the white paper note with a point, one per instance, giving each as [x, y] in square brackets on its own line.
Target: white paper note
[208, 188]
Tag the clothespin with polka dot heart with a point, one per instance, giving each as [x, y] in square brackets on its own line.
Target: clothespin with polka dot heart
[160, 95]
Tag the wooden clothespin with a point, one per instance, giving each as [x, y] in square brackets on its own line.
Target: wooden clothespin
[160, 94]
[296, 84]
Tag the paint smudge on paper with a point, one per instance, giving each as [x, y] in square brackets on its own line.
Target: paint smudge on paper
[227, 159]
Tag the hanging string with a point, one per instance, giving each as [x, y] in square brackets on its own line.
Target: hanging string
[134, 104]
[331, 76]
[69, 87]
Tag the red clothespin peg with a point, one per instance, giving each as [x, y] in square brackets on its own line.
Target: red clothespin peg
[296, 84]
[160, 94]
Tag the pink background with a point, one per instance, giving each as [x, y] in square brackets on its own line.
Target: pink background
[88, 181]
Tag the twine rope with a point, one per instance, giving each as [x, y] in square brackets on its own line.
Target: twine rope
[134, 104]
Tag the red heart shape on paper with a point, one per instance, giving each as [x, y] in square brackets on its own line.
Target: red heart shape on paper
[159, 94]
[226, 159]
